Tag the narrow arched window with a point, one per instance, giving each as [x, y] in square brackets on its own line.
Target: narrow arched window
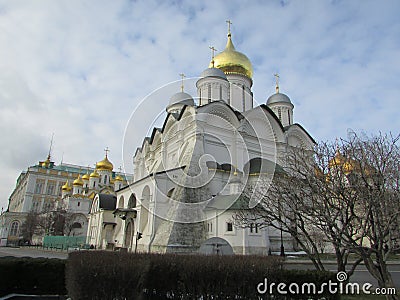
[14, 231]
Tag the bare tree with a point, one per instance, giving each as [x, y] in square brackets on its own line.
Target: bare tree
[30, 226]
[348, 193]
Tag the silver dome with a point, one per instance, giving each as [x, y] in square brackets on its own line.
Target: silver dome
[213, 72]
[278, 98]
[181, 98]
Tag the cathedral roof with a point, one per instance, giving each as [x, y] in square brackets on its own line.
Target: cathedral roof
[231, 61]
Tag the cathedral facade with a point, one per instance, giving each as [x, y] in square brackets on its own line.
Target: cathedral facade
[68, 189]
[191, 175]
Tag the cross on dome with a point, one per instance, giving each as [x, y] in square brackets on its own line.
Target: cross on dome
[182, 78]
[106, 150]
[212, 54]
[229, 26]
[277, 82]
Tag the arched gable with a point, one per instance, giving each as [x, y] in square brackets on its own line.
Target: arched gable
[262, 122]
[219, 109]
[297, 136]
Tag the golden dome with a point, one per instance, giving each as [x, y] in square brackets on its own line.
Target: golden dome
[232, 62]
[86, 177]
[119, 178]
[337, 161]
[78, 181]
[105, 164]
[46, 163]
[94, 174]
[66, 186]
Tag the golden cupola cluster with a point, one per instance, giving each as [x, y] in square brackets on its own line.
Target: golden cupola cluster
[339, 161]
[231, 61]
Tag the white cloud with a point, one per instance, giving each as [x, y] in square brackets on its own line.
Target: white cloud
[79, 68]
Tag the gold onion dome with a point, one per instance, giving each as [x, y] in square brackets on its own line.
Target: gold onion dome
[105, 164]
[231, 61]
[119, 178]
[46, 163]
[94, 174]
[66, 186]
[337, 161]
[86, 176]
[340, 161]
[78, 181]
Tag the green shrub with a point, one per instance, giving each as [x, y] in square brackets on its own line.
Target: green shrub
[111, 275]
[32, 276]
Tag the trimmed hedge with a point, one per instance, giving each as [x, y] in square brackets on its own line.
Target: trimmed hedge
[37, 276]
[111, 275]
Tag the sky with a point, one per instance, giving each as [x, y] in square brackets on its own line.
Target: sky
[80, 69]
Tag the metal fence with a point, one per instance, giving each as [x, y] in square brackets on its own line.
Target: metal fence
[65, 242]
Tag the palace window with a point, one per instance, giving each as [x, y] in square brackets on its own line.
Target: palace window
[50, 188]
[229, 226]
[39, 186]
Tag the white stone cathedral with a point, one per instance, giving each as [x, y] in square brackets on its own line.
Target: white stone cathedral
[189, 175]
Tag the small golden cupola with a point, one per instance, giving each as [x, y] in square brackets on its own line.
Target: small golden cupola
[66, 187]
[119, 178]
[78, 181]
[94, 174]
[337, 161]
[231, 61]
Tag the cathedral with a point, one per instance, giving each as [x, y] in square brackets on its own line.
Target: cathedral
[190, 175]
[46, 187]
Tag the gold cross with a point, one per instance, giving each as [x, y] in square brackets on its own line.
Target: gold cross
[229, 26]
[106, 150]
[277, 82]
[182, 78]
[212, 54]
